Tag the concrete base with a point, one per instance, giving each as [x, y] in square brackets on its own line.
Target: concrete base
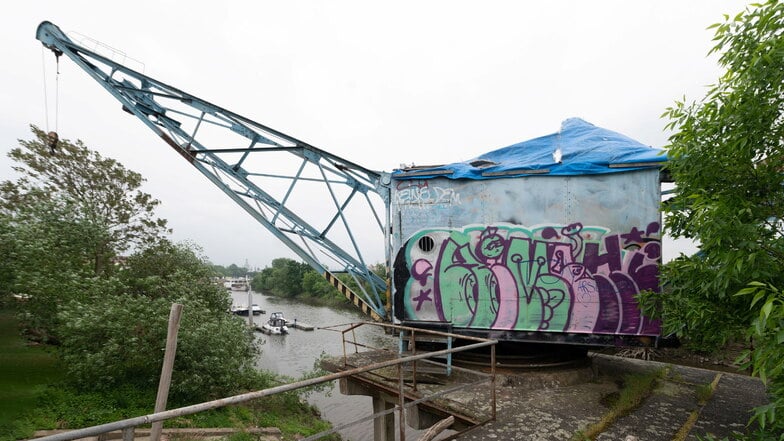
[419, 419]
[547, 378]
[383, 426]
[555, 404]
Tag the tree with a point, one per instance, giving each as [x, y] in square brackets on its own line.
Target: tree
[283, 278]
[65, 218]
[315, 285]
[100, 191]
[727, 159]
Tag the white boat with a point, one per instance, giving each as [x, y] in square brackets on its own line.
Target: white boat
[276, 325]
[239, 310]
[239, 286]
[243, 309]
[236, 283]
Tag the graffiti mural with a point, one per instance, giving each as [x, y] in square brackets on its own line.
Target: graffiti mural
[568, 278]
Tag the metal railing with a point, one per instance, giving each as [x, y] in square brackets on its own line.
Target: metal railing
[407, 345]
[127, 426]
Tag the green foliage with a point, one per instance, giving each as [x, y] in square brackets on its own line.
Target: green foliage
[231, 271]
[98, 191]
[283, 278]
[68, 408]
[63, 221]
[726, 159]
[293, 416]
[289, 278]
[120, 339]
[315, 285]
[49, 260]
[166, 268]
[63, 226]
[767, 358]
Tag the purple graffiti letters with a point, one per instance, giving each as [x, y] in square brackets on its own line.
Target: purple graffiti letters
[558, 278]
[504, 299]
[421, 271]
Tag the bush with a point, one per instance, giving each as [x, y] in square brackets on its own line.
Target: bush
[121, 341]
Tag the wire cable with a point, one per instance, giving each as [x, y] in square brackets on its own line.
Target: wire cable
[57, 97]
[46, 98]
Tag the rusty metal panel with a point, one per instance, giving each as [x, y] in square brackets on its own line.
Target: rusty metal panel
[616, 201]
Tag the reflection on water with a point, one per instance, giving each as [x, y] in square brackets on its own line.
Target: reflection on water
[296, 353]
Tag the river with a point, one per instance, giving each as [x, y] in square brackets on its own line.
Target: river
[296, 353]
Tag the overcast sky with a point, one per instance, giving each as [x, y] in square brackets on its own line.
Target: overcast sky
[379, 83]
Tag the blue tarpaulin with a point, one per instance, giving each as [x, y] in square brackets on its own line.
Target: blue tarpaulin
[579, 148]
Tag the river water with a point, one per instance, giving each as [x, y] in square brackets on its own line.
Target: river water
[296, 353]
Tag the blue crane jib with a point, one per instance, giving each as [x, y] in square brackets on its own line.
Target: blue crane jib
[274, 177]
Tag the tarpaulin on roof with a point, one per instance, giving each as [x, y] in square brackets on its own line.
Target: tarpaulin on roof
[579, 148]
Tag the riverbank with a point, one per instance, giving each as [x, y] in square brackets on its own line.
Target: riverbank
[333, 301]
[32, 398]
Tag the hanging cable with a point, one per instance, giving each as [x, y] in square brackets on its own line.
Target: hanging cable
[57, 94]
[46, 98]
[52, 137]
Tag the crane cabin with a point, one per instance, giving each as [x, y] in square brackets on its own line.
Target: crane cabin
[548, 240]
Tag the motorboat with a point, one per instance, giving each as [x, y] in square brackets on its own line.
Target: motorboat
[239, 310]
[243, 310]
[276, 325]
[239, 286]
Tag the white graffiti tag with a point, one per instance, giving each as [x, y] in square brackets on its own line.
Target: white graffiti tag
[427, 195]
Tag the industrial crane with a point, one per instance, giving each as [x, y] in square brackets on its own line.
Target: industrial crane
[243, 158]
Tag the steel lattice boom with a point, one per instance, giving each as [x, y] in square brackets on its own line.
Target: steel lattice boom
[271, 175]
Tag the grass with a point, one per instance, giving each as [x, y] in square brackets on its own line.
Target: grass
[635, 389]
[25, 371]
[703, 393]
[285, 411]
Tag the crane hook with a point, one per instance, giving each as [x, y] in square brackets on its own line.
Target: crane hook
[51, 140]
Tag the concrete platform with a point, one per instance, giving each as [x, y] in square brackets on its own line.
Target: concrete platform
[555, 405]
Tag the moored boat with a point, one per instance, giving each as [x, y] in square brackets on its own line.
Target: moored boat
[243, 310]
[239, 286]
[236, 283]
[276, 325]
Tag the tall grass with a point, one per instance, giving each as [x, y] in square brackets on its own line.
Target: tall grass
[25, 372]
